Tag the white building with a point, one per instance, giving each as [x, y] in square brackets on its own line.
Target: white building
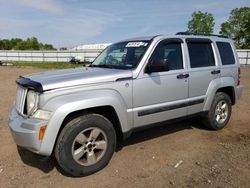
[91, 46]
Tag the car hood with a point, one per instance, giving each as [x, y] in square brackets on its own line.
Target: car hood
[78, 76]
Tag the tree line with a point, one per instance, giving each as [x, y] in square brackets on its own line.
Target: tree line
[237, 26]
[20, 44]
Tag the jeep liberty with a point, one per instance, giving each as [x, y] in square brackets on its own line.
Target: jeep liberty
[79, 115]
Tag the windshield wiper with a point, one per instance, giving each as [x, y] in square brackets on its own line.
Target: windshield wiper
[92, 65]
[103, 66]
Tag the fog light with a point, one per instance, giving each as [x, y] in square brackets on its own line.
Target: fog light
[42, 131]
[42, 114]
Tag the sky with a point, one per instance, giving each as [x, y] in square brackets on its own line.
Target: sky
[68, 23]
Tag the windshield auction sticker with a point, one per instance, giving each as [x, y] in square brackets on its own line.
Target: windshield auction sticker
[136, 44]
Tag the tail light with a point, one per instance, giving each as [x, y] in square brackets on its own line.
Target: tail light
[238, 83]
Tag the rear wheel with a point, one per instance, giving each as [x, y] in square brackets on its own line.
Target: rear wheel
[85, 145]
[220, 112]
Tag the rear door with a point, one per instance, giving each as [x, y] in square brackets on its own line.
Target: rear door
[203, 68]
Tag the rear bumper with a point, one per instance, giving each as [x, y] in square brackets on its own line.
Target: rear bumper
[238, 92]
[25, 131]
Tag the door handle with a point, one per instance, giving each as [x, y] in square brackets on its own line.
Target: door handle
[215, 72]
[182, 76]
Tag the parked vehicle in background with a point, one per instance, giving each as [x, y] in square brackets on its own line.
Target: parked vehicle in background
[77, 59]
[81, 114]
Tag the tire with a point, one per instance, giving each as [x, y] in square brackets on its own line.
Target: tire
[219, 113]
[85, 145]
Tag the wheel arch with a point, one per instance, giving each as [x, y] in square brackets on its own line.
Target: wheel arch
[107, 103]
[229, 90]
[224, 84]
[106, 111]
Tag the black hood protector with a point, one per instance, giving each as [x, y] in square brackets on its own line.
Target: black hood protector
[28, 83]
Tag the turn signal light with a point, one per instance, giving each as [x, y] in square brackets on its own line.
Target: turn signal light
[42, 131]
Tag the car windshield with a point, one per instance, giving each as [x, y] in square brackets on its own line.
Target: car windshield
[123, 55]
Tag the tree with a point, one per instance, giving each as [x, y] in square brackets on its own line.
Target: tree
[201, 23]
[20, 44]
[33, 43]
[6, 44]
[63, 48]
[1, 45]
[47, 47]
[237, 27]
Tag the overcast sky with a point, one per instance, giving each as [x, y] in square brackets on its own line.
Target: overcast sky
[67, 23]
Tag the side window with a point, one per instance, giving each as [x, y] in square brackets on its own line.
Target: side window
[200, 54]
[169, 52]
[226, 53]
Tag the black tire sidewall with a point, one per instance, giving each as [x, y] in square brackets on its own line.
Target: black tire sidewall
[212, 120]
[67, 137]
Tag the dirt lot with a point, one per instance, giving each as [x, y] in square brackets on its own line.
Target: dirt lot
[210, 159]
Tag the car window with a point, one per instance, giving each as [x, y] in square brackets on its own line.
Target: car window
[122, 55]
[169, 52]
[226, 53]
[200, 54]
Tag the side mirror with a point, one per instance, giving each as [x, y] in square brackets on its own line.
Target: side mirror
[157, 66]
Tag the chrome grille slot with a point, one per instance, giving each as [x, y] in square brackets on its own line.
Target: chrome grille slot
[20, 99]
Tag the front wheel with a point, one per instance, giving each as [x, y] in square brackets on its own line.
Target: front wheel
[220, 112]
[85, 145]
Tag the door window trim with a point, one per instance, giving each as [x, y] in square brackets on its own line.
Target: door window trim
[202, 40]
[167, 41]
[198, 40]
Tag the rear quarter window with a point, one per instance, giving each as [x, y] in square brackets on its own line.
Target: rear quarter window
[226, 53]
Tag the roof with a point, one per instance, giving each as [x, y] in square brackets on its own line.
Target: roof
[179, 35]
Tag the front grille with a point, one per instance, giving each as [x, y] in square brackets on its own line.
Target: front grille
[20, 98]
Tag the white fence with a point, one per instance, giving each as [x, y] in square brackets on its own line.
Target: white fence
[48, 56]
[244, 56]
[65, 56]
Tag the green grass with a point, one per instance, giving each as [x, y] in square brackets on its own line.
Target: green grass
[47, 65]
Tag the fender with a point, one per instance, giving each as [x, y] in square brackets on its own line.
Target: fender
[66, 104]
[214, 86]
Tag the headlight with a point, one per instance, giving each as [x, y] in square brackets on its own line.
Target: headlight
[32, 101]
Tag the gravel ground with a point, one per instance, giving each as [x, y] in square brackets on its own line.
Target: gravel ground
[202, 158]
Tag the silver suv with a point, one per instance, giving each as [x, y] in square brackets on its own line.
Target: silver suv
[81, 114]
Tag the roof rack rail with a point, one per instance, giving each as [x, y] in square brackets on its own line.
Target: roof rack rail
[201, 34]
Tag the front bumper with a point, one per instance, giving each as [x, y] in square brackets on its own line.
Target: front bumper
[238, 92]
[25, 131]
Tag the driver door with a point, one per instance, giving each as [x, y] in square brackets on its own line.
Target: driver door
[160, 96]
